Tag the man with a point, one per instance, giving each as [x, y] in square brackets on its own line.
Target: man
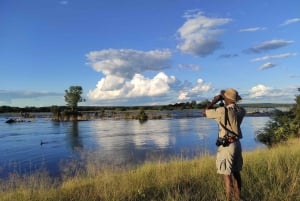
[229, 160]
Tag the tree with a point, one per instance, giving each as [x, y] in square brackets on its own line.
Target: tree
[73, 97]
[296, 113]
[282, 126]
[142, 116]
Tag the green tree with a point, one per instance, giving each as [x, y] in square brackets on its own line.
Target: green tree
[56, 112]
[282, 126]
[142, 116]
[73, 97]
[296, 113]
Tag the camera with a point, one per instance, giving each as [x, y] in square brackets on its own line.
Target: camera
[221, 104]
[222, 141]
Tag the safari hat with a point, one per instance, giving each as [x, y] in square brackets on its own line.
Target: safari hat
[232, 94]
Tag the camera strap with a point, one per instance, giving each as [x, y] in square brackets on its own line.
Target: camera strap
[227, 121]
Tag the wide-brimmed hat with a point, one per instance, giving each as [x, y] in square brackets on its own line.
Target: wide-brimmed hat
[232, 94]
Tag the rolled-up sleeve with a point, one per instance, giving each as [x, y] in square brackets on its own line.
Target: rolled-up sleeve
[217, 113]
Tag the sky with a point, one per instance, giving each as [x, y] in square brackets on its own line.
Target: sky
[155, 52]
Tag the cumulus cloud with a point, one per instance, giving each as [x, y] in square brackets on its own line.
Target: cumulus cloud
[199, 34]
[124, 81]
[123, 74]
[268, 45]
[261, 92]
[290, 21]
[253, 29]
[194, 92]
[125, 63]
[266, 66]
[278, 56]
[139, 86]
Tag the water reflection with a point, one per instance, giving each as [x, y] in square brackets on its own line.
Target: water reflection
[153, 134]
[130, 140]
[73, 135]
[123, 141]
[249, 128]
[115, 141]
[255, 122]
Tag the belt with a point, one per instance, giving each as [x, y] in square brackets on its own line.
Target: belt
[232, 139]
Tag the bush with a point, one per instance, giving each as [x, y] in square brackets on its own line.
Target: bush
[276, 130]
[282, 126]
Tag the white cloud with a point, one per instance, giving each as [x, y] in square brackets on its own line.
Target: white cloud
[269, 45]
[125, 63]
[260, 91]
[199, 34]
[139, 86]
[290, 21]
[123, 78]
[159, 85]
[264, 93]
[253, 29]
[194, 92]
[266, 66]
[111, 82]
[279, 56]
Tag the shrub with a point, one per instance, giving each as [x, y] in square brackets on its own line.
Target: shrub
[282, 126]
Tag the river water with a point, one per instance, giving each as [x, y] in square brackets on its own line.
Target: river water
[26, 146]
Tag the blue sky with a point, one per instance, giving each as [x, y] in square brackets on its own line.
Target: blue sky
[134, 52]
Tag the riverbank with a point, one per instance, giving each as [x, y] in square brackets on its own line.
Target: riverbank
[126, 115]
[268, 175]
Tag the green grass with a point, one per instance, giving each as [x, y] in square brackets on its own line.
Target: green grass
[268, 175]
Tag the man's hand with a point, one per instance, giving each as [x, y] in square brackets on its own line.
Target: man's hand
[217, 98]
[213, 102]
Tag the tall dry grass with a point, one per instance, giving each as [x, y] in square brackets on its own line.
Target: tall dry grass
[268, 175]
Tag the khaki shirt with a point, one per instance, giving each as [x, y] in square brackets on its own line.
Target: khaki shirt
[232, 122]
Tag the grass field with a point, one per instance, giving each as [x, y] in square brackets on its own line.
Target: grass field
[268, 175]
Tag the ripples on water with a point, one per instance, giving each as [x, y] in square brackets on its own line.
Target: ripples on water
[26, 146]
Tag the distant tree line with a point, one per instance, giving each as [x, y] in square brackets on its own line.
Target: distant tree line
[73, 97]
[176, 106]
[282, 125]
[9, 109]
[266, 105]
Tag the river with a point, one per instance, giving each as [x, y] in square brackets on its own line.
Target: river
[26, 146]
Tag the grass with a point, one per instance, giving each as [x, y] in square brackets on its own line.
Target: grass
[268, 175]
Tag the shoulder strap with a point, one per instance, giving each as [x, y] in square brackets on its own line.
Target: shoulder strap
[226, 120]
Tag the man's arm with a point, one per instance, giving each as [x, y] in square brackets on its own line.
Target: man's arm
[212, 103]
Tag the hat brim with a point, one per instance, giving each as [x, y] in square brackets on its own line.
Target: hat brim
[238, 97]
